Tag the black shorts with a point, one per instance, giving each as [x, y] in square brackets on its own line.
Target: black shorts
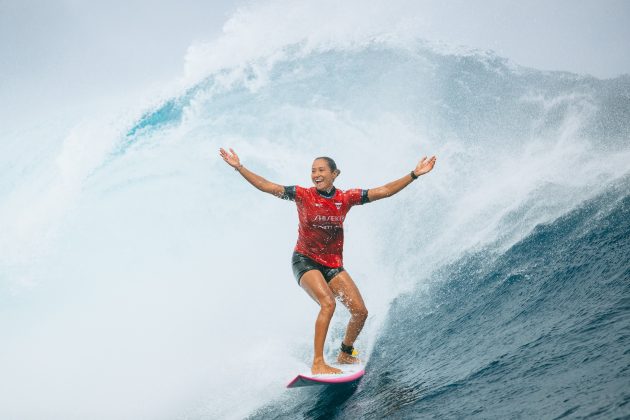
[301, 264]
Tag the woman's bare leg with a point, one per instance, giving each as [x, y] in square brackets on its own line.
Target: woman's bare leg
[313, 282]
[344, 288]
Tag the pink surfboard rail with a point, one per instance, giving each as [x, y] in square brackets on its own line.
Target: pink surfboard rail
[309, 380]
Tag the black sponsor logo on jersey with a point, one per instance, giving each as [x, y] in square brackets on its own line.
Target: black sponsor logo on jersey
[320, 218]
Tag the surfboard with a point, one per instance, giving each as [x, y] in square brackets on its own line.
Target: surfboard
[350, 374]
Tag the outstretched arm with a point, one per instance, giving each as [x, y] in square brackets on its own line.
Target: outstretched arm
[393, 187]
[256, 180]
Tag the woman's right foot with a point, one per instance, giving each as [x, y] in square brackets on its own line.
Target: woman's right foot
[323, 368]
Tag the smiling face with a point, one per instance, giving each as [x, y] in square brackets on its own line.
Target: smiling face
[322, 176]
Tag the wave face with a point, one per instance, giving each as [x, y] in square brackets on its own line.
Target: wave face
[497, 285]
[539, 331]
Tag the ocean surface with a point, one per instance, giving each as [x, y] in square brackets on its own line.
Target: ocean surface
[141, 277]
[541, 330]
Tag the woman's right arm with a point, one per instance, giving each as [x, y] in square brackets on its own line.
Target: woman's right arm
[256, 180]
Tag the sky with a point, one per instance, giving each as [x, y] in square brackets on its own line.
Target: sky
[78, 53]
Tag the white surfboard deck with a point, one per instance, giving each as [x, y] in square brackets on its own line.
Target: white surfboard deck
[350, 373]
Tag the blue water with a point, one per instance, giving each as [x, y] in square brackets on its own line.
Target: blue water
[539, 331]
[159, 282]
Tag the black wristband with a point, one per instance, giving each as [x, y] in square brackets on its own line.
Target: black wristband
[413, 176]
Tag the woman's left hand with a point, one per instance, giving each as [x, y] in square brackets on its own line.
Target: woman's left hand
[425, 165]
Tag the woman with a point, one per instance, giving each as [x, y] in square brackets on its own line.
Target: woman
[317, 259]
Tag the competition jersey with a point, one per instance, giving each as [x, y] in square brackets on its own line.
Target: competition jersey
[321, 216]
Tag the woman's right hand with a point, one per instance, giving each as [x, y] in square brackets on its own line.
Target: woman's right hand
[230, 158]
[257, 181]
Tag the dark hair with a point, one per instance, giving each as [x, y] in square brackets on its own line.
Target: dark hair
[331, 163]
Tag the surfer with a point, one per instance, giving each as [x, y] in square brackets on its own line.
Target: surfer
[317, 259]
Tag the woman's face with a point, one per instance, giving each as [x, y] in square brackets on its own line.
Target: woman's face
[322, 176]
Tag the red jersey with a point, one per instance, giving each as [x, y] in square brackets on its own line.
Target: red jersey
[321, 216]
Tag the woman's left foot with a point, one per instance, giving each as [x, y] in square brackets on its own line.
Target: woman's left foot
[346, 359]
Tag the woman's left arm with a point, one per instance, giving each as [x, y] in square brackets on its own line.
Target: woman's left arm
[425, 165]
